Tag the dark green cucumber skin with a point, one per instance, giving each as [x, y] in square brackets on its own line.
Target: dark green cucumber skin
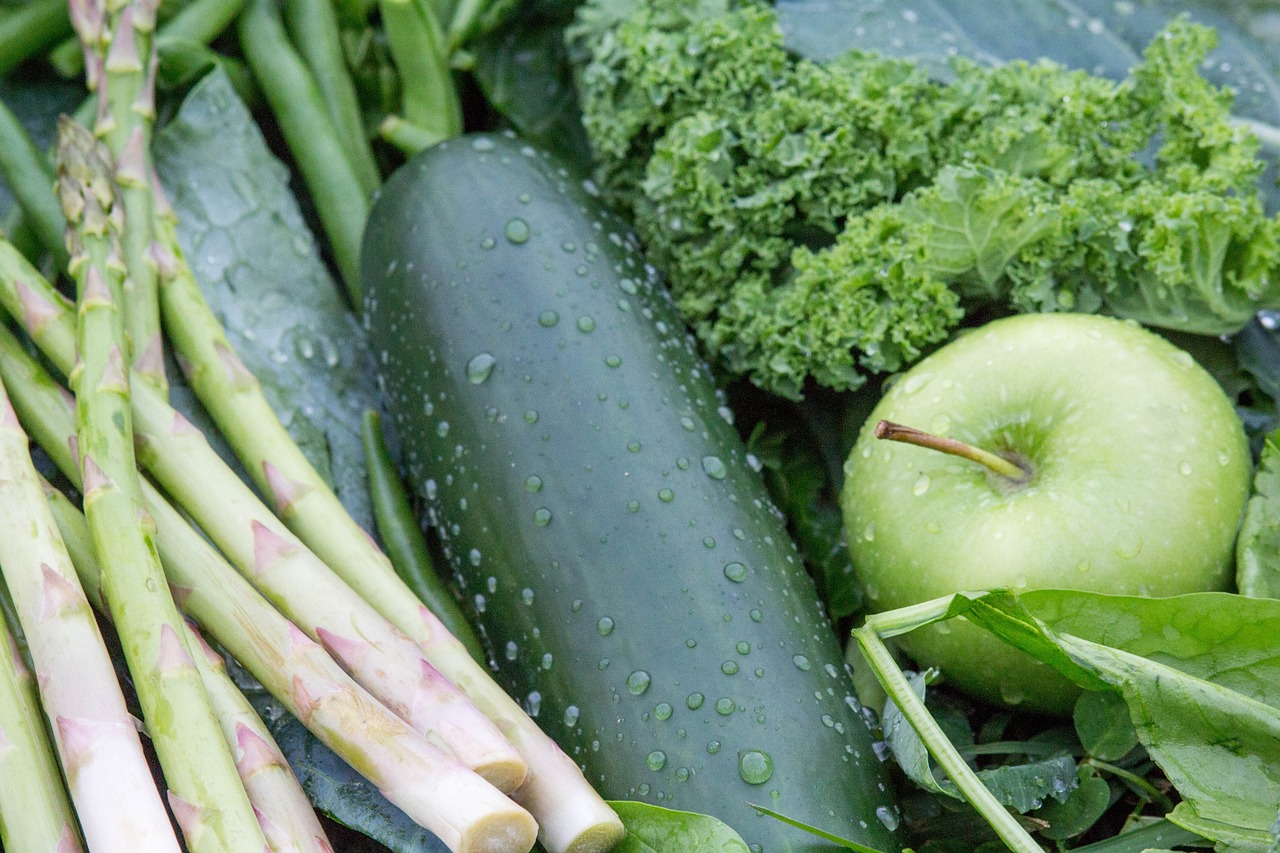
[604, 589]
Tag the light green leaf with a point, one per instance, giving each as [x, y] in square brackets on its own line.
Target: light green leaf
[1103, 725]
[653, 829]
[1219, 747]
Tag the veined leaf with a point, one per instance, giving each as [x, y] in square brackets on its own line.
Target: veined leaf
[653, 829]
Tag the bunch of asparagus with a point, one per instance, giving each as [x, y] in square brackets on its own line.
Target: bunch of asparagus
[291, 587]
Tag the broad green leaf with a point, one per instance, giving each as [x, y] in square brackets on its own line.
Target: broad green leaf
[653, 829]
[1226, 639]
[1219, 747]
[1229, 838]
[1103, 725]
[261, 271]
[524, 72]
[1079, 811]
[907, 748]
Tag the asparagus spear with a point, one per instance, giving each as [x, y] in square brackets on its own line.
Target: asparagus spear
[571, 815]
[198, 22]
[380, 656]
[121, 67]
[285, 814]
[35, 813]
[205, 792]
[431, 786]
[107, 770]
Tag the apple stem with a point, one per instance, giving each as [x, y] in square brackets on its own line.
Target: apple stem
[910, 435]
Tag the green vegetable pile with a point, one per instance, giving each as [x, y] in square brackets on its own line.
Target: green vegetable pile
[423, 424]
[832, 221]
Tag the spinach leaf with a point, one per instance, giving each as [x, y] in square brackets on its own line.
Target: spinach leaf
[1199, 703]
[653, 829]
[261, 271]
[1258, 544]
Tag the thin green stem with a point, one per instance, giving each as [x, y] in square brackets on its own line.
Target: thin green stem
[29, 177]
[398, 527]
[313, 25]
[298, 105]
[37, 812]
[939, 746]
[31, 28]
[1149, 791]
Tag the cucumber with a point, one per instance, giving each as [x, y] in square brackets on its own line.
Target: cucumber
[634, 585]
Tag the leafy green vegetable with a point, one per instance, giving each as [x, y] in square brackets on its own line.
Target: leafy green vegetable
[653, 829]
[1022, 787]
[1197, 674]
[825, 221]
[260, 270]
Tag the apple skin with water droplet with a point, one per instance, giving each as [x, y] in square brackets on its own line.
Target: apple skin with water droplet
[1139, 472]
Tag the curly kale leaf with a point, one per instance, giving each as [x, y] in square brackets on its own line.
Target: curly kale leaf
[820, 222]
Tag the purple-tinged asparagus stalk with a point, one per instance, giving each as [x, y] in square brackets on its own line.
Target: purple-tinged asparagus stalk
[572, 815]
[380, 656]
[427, 783]
[107, 773]
[285, 814]
[35, 813]
[120, 66]
[205, 793]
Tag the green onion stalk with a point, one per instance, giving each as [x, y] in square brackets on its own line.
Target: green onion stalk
[120, 68]
[285, 814]
[380, 656]
[35, 812]
[432, 787]
[205, 793]
[107, 772]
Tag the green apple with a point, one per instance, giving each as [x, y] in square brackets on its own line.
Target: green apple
[1123, 469]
